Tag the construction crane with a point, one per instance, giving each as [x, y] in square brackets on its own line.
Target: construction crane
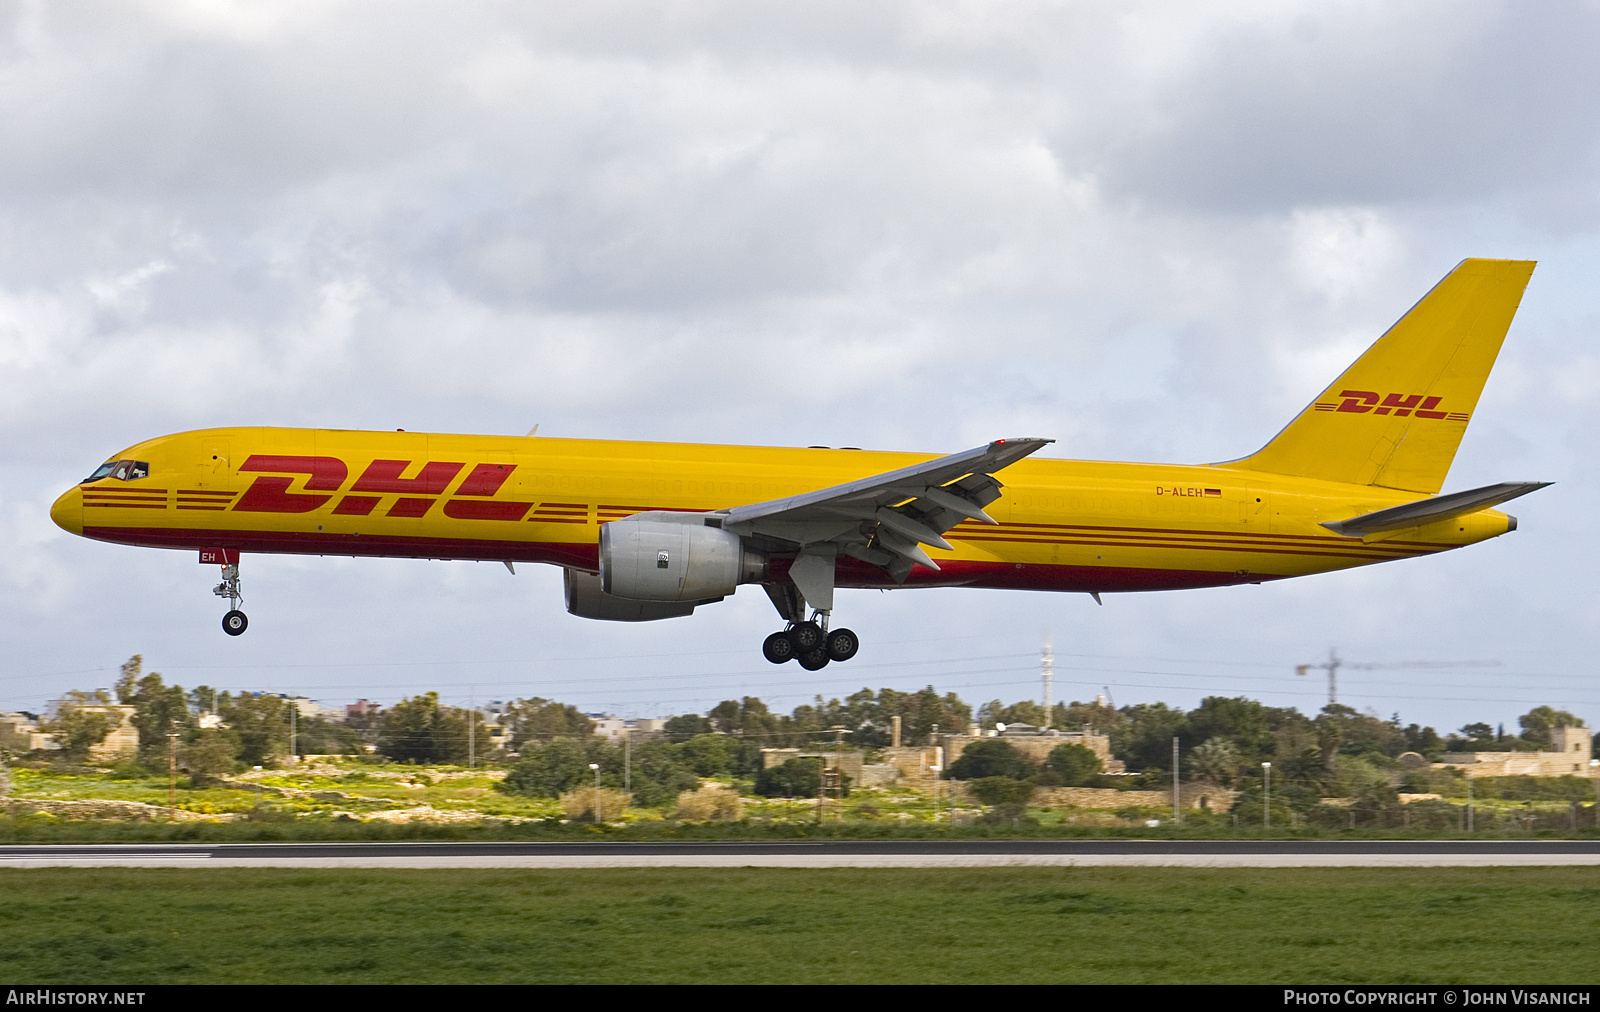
[1335, 662]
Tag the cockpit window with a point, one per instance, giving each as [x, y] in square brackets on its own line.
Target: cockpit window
[122, 470]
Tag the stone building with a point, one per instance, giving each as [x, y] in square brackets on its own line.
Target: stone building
[122, 741]
[1036, 743]
[850, 762]
[19, 732]
[614, 729]
[1568, 757]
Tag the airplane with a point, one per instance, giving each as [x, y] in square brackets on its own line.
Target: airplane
[649, 530]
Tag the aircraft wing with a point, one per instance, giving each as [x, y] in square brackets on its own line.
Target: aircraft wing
[885, 519]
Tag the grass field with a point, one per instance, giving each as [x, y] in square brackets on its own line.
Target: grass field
[129, 926]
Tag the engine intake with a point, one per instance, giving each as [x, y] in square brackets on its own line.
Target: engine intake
[666, 560]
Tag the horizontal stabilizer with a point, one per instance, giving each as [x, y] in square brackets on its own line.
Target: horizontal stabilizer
[1426, 511]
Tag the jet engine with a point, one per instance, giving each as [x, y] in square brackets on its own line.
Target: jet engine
[585, 599]
[674, 560]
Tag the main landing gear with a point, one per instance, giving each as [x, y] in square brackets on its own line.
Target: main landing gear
[811, 643]
[234, 622]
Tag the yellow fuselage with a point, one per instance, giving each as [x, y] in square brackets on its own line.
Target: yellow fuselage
[1065, 525]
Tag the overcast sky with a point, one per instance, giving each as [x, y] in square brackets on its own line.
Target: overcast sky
[1162, 227]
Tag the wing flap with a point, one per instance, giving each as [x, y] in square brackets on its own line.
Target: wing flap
[886, 519]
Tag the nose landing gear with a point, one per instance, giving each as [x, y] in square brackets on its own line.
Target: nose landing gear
[234, 622]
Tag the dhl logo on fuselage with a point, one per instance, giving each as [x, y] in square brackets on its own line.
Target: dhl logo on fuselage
[270, 493]
[1400, 405]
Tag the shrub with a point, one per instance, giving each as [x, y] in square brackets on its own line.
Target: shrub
[580, 804]
[1001, 790]
[711, 803]
[797, 778]
[549, 770]
[991, 757]
[128, 770]
[1075, 765]
[711, 755]
[210, 755]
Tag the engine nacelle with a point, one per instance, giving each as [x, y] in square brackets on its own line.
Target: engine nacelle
[655, 560]
[585, 599]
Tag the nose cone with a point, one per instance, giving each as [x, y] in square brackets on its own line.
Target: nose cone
[68, 511]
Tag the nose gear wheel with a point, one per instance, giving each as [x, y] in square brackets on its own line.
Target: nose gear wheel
[234, 623]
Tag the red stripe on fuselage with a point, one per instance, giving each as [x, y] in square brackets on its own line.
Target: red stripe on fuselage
[851, 573]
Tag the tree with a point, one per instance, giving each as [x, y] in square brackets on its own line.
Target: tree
[1293, 733]
[1424, 741]
[1074, 764]
[1244, 722]
[158, 709]
[550, 769]
[660, 772]
[1216, 760]
[989, 713]
[991, 757]
[538, 719]
[261, 723]
[319, 736]
[1538, 722]
[419, 729]
[1145, 742]
[76, 727]
[994, 713]
[796, 778]
[748, 716]
[710, 755]
[686, 726]
[211, 754]
[1362, 733]
[927, 708]
[1097, 717]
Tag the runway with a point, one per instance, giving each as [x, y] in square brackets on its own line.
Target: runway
[818, 854]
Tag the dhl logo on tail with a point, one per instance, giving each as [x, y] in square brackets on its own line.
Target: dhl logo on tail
[1362, 401]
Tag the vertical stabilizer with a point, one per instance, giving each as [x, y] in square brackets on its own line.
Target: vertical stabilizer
[1396, 417]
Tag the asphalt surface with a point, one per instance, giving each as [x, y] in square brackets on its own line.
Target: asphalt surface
[818, 854]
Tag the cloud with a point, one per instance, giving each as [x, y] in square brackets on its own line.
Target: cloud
[1338, 104]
